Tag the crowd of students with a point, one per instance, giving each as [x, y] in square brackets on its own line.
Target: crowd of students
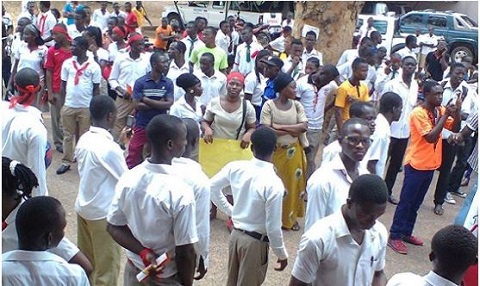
[132, 117]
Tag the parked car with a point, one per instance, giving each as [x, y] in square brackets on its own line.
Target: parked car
[459, 31]
[384, 24]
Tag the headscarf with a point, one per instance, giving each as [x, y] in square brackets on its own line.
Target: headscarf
[237, 76]
[61, 30]
[25, 95]
[281, 81]
[134, 37]
[119, 32]
[187, 80]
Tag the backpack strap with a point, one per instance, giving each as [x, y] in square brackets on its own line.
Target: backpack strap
[244, 115]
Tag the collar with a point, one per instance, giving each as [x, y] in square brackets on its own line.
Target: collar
[149, 77]
[449, 85]
[434, 279]
[25, 255]
[157, 168]
[214, 76]
[337, 164]
[187, 162]
[261, 163]
[341, 228]
[305, 52]
[173, 65]
[101, 131]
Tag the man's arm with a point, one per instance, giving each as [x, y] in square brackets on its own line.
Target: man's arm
[379, 278]
[185, 260]
[162, 104]
[217, 183]
[96, 89]
[295, 282]
[339, 118]
[273, 213]
[123, 236]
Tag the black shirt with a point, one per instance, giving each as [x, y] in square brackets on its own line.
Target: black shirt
[434, 66]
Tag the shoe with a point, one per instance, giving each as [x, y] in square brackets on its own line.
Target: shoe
[438, 210]
[449, 199]
[465, 182]
[398, 246]
[413, 240]
[459, 193]
[59, 149]
[63, 169]
[400, 169]
[392, 200]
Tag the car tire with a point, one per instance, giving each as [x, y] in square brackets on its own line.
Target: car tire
[459, 52]
[174, 17]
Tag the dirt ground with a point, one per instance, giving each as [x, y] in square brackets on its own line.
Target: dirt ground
[65, 188]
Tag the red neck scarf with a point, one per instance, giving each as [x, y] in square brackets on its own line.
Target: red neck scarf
[26, 95]
[79, 72]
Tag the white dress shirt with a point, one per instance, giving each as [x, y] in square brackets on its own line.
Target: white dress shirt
[383, 78]
[24, 138]
[313, 100]
[174, 72]
[429, 40]
[182, 109]
[258, 194]
[241, 64]
[113, 51]
[297, 71]
[410, 279]
[188, 43]
[378, 150]
[278, 44]
[192, 174]
[213, 86]
[40, 268]
[325, 197]
[285, 23]
[73, 32]
[158, 208]
[255, 87]
[407, 52]
[100, 18]
[125, 70]
[65, 249]
[45, 23]
[100, 166]
[347, 56]
[222, 41]
[80, 95]
[401, 129]
[328, 254]
[331, 151]
[365, 31]
[313, 54]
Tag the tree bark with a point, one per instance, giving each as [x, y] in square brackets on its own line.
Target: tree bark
[336, 21]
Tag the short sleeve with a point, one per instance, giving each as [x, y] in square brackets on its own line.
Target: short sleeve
[307, 261]
[65, 249]
[194, 56]
[169, 89]
[138, 89]
[209, 113]
[64, 72]
[115, 214]
[96, 74]
[250, 116]
[250, 84]
[266, 115]
[224, 61]
[340, 99]
[301, 116]
[420, 121]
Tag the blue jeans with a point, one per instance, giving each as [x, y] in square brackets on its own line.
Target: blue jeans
[414, 189]
[462, 214]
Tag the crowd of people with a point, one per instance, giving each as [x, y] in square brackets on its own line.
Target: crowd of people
[133, 117]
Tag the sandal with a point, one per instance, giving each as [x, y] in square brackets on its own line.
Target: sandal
[295, 227]
[438, 210]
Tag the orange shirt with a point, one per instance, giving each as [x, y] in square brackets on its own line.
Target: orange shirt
[159, 43]
[420, 154]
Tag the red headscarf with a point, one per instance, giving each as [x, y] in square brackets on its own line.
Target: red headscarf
[134, 38]
[26, 95]
[237, 76]
[119, 31]
[59, 29]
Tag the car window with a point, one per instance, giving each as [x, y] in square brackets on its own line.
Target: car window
[414, 20]
[437, 21]
[469, 21]
[201, 4]
[241, 6]
[381, 26]
[218, 5]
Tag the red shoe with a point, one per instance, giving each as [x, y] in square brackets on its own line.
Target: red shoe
[413, 240]
[229, 224]
[398, 246]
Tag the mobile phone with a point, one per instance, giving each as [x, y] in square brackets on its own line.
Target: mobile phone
[130, 121]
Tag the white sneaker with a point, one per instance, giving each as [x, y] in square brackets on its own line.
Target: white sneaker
[449, 199]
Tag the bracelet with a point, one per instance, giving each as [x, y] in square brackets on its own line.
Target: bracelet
[143, 256]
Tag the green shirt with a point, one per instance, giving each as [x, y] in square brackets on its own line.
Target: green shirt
[219, 55]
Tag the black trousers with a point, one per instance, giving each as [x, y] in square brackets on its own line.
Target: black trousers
[456, 175]
[396, 151]
[448, 155]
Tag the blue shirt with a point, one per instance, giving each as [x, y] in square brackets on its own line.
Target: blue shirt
[69, 8]
[269, 92]
[146, 86]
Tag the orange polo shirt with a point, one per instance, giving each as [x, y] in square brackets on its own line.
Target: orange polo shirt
[420, 154]
[344, 90]
[159, 43]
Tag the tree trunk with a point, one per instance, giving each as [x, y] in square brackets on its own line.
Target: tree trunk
[336, 21]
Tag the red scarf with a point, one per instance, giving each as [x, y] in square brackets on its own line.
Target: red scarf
[4, 225]
[79, 72]
[26, 95]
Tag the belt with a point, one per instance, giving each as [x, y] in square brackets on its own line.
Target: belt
[254, 234]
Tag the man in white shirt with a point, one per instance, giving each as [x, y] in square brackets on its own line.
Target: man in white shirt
[288, 21]
[101, 16]
[454, 250]
[153, 211]
[193, 175]
[81, 77]
[410, 45]
[387, 72]
[40, 225]
[24, 136]
[293, 64]
[246, 53]
[310, 41]
[45, 23]
[376, 156]
[79, 25]
[30, 12]
[214, 83]
[367, 28]
[325, 197]
[191, 41]
[222, 39]
[278, 45]
[100, 165]
[256, 214]
[117, 12]
[427, 43]
[407, 88]
[313, 91]
[178, 66]
[127, 68]
[347, 248]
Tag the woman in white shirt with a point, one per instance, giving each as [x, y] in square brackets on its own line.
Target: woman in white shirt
[100, 55]
[188, 106]
[118, 44]
[30, 54]
[255, 83]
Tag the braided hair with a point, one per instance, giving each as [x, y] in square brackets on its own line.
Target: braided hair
[17, 179]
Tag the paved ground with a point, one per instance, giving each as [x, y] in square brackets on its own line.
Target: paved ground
[65, 187]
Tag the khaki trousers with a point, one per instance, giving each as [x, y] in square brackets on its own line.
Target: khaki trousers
[57, 132]
[71, 118]
[100, 248]
[124, 108]
[247, 260]
[314, 137]
[130, 279]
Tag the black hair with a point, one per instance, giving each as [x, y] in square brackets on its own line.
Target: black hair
[38, 38]
[193, 131]
[82, 13]
[457, 65]
[296, 42]
[330, 70]
[96, 34]
[455, 248]
[365, 39]
[181, 46]
[261, 54]
[352, 121]
[209, 55]
[410, 40]
[128, 3]
[87, 8]
[81, 42]
[249, 26]
[287, 29]
[388, 101]
[17, 182]
[212, 29]
[315, 61]
[100, 106]
[408, 57]
[161, 129]
[375, 33]
[311, 33]
[223, 22]
[428, 85]
[156, 56]
[368, 188]
[38, 217]
[56, 13]
[263, 140]
[46, 4]
[357, 62]
[26, 77]
[114, 19]
[359, 108]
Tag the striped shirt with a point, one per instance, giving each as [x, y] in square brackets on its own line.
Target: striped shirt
[472, 123]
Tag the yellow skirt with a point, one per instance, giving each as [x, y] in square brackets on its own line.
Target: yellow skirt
[291, 165]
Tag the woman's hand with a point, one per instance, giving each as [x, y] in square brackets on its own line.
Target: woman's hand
[208, 135]
[245, 140]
